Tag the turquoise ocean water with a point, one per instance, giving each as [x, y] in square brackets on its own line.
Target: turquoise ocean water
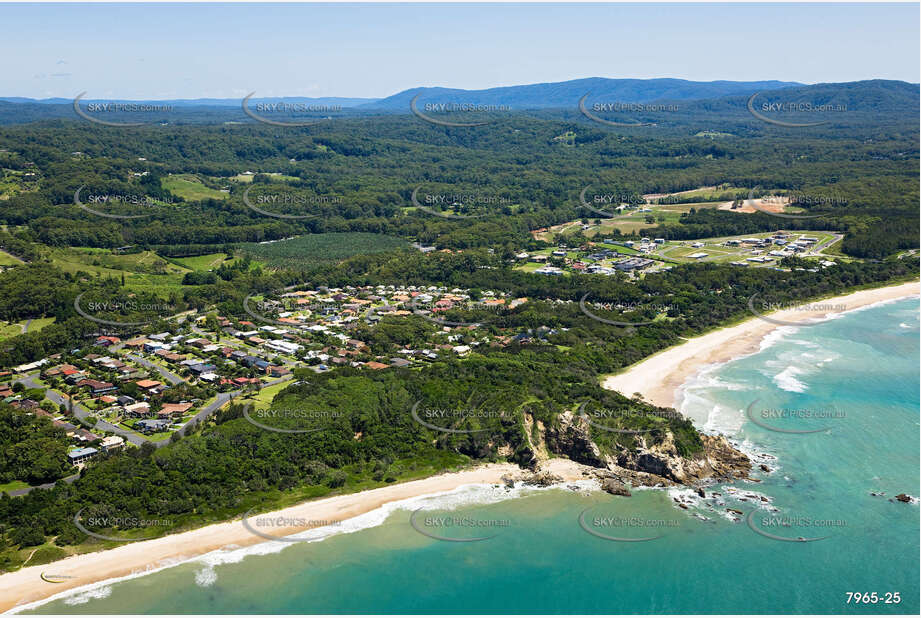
[854, 377]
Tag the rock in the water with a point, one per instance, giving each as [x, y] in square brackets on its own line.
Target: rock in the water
[541, 479]
[764, 468]
[903, 498]
[615, 487]
[701, 493]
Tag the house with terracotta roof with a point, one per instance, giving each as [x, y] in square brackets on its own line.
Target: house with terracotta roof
[151, 386]
[97, 387]
[174, 410]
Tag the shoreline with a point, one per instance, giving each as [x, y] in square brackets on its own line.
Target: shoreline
[659, 378]
[26, 588]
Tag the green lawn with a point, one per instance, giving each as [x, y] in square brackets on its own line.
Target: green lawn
[39, 323]
[13, 485]
[190, 188]
[210, 261]
[10, 330]
[142, 271]
[266, 395]
[8, 260]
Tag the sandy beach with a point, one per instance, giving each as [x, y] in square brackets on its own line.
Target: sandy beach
[27, 586]
[659, 377]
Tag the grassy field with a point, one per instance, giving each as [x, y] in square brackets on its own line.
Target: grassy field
[723, 193]
[13, 485]
[678, 252]
[210, 261]
[312, 248]
[11, 330]
[8, 260]
[715, 253]
[265, 396]
[190, 188]
[39, 323]
[718, 252]
[142, 271]
[105, 263]
[627, 223]
[275, 176]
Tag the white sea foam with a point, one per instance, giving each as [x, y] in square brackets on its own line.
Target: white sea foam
[786, 380]
[89, 595]
[207, 575]
[776, 336]
[97, 590]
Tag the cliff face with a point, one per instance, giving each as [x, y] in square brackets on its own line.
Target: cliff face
[649, 464]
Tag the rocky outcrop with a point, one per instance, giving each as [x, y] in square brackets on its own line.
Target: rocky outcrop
[541, 478]
[615, 486]
[718, 460]
[572, 438]
[650, 463]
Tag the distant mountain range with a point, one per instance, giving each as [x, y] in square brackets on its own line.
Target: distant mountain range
[874, 96]
[566, 94]
[530, 96]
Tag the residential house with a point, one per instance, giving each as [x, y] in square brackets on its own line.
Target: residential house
[151, 386]
[152, 425]
[97, 387]
[80, 455]
[137, 410]
[174, 410]
[111, 443]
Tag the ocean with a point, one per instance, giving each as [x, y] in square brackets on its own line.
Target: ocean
[830, 410]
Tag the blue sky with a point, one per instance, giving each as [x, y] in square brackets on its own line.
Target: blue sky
[136, 51]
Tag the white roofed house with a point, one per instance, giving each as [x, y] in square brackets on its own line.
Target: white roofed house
[285, 347]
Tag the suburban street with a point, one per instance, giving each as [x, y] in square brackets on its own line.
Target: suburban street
[170, 377]
[81, 413]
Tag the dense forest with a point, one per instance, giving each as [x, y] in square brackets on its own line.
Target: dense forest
[357, 174]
